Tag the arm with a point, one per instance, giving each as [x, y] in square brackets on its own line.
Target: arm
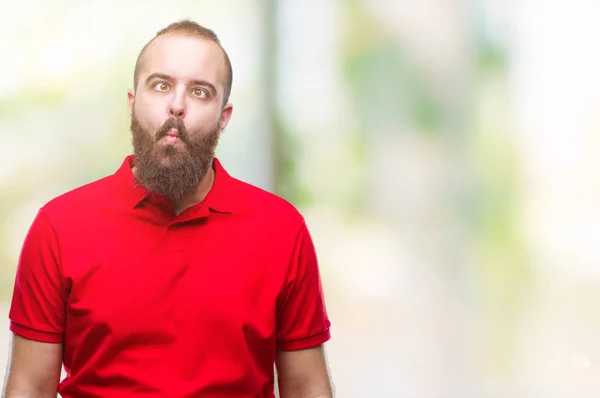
[33, 369]
[303, 374]
[302, 327]
[37, 316]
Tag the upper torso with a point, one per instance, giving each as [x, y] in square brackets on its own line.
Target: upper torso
[160, 305]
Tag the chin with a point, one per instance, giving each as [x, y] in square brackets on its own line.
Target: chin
[170, 156]
[169, 150]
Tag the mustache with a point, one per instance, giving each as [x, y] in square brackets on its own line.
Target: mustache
[173, 123]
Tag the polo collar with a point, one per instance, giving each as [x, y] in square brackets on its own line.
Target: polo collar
[218, 199]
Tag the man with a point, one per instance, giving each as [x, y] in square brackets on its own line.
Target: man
[170, 278]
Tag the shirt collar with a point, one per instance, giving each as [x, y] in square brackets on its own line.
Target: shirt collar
[218, 199]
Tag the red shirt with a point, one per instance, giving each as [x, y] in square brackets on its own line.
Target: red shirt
[150, 303]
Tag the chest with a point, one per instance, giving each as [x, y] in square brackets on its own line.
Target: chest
[176, 284]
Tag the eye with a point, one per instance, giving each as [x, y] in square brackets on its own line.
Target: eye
[161, 86]
[200, 93]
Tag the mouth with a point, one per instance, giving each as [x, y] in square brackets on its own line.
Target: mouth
[172, 137]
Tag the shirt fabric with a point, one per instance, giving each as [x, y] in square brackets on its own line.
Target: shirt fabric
[154, 304]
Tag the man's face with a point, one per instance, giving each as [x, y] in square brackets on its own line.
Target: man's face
[177, 114]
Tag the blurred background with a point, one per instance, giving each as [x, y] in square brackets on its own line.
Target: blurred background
[445, 153]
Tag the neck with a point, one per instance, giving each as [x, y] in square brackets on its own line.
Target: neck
[198, 196]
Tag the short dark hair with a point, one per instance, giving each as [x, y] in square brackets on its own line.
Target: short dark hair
[188, 27]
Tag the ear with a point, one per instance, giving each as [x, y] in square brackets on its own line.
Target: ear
[130, 100]
[226, 116]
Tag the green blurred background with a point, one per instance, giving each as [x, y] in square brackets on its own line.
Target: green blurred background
[444, 153]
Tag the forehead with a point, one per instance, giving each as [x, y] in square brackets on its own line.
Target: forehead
[184, 58]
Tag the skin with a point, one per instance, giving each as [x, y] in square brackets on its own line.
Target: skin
[303, 374]
[33, 369]
[181, 77]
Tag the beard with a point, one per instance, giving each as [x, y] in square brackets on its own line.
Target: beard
[173, 171]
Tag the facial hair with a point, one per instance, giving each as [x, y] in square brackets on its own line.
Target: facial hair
[173, 171]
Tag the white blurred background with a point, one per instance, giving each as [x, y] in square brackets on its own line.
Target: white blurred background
[446, 155]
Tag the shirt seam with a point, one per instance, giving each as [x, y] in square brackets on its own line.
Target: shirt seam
[43, 213]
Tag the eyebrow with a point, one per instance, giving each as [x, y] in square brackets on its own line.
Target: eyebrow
[163, 76]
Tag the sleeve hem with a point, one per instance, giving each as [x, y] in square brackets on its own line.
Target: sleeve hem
[305, 343]
[36, 335]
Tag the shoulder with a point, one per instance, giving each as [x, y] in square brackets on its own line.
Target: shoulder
[268, 205]
[84, 197]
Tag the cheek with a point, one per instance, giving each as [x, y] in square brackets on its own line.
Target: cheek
[203, 117]
[150, 114]
[152, 102]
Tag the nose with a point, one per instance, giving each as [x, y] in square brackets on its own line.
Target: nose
[176, 110]
[177, 107]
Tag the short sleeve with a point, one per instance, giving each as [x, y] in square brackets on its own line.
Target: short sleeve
[302, 320]
[38, 304]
